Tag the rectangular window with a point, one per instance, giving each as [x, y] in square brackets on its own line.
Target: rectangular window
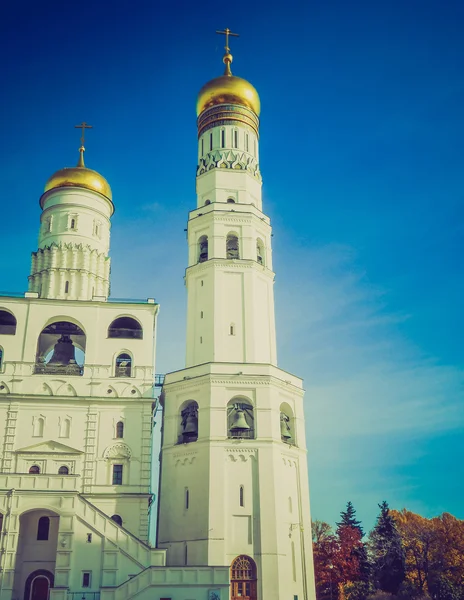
[117, 474]
[202, 151]
[210, 141]
[235, 139]
[86, 579]
[223, 138]
[246, 142]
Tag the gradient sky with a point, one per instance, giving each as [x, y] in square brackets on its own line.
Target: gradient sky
[361, 154]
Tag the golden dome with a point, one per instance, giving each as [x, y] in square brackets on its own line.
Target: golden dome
[79, 177]
[228, 89]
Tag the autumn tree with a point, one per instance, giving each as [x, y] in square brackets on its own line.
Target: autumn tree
[325, 548]
[388, 560]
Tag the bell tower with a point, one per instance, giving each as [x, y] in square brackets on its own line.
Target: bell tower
[234, 486]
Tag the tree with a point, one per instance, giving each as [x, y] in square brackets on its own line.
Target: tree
[325, 547]
[348, 519]
[388, 559]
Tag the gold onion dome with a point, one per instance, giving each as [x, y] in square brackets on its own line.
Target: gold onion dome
[79, 177]
[228, 89]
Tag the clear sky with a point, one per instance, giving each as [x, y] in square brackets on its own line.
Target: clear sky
[361, 154]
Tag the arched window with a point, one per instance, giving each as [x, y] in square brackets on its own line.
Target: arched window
[60, 349]
[123, 365]
[1, 358]
[260, 251]
[230, 200]
[66, 287]
[73, 224]
[63, 470]
[125, 327]
[187, 498]
[287, 432]
[38, 427]
[242, 496]
[203, 248]
[117, 519]
[65, 427]
[210, 141]
[231, 329]
[34, 470]
[243, 579]
[240, 419]
[188, 423]
[223, 138]
[119, 429]
[232, 247]
[7, 323]
[43, 528]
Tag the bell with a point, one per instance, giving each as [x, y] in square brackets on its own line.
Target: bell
[63, 352]
[239, 421]
[284, 427]
[191, 425]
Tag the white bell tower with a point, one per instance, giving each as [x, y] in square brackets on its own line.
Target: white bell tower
[234, 487]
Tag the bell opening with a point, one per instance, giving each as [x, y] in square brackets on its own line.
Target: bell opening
[60, 350]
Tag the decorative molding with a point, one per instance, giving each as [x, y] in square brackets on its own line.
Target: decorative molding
[117, 451]
[231, 160]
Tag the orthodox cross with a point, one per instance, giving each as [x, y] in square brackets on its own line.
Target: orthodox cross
[227, 32]
[83, 126]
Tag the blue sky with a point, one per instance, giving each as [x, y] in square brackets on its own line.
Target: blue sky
[361, 155]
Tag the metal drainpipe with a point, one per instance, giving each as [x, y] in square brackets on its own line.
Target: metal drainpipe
[6, 529]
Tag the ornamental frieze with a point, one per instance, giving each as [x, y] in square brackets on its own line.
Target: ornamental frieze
[227, 159]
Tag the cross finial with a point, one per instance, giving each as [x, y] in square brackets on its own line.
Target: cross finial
[83, 126]
[227, 32]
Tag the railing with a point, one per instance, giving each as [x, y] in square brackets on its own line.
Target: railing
[41, 368]
[121, 332]
[246, 434]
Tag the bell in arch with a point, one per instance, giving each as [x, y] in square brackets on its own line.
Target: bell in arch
[285, 427]
[64, 352]
[239, 421]
[190, 422]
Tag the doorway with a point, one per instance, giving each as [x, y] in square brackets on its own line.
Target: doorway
[243, 579]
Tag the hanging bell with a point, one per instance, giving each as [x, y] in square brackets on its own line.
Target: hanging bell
[63, 352]
[191, 425]
[239, 421]
[284, 427]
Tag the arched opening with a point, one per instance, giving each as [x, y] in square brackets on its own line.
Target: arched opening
[207, 202]
[230, 201]
[188, 431]
[7, 323]
[63, 470]
[232, 247]
[34, 470]
[242, 496]
[65, 427]
[60, 350]
[260, 251]
[38, 427]
[117, 519]
[120, 429]
[125, 327]
[1, 358]
[123, 365]
[38, 585]
[287, 425]
[43, 529]
[203, 248]
[66, 287]
[240, 419]
[243, 579]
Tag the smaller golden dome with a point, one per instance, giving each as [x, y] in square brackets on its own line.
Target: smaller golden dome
[79, 177]
[228, 89]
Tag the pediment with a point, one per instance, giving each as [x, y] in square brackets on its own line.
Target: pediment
[50, 447]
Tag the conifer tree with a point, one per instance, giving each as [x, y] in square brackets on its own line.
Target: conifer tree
[388, 557]
[348, 519]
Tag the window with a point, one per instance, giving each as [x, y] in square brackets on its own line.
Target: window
[125, 327]
[117, 519]
[86, 579]
[1, 358]
[246, 142]
[123, 365]
[223, 138]
[120, 429]
[202, 150]
[188, 431]
[201, 316]
[72, 224]
[230, 200]
[63, 470]
[7, 323]
[240, 419]
[232, 249]
[43, 528]
[117, 474]
[241, 496]
[260, 252]
[207, 202]
[232, 329]
[89, 538]
[34, 470]
[65, 427]
[66, 287]
[187, 498]
[203, 249]
[210, 141]
[235, 138]
[38, 427]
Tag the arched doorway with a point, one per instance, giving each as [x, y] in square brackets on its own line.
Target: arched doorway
[243, 579]
[38, 585]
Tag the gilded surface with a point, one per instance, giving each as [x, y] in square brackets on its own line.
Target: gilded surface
[228, 89]
[79, 177]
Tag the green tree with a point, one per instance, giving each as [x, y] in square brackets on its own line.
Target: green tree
[387, 553]
[348, 519]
